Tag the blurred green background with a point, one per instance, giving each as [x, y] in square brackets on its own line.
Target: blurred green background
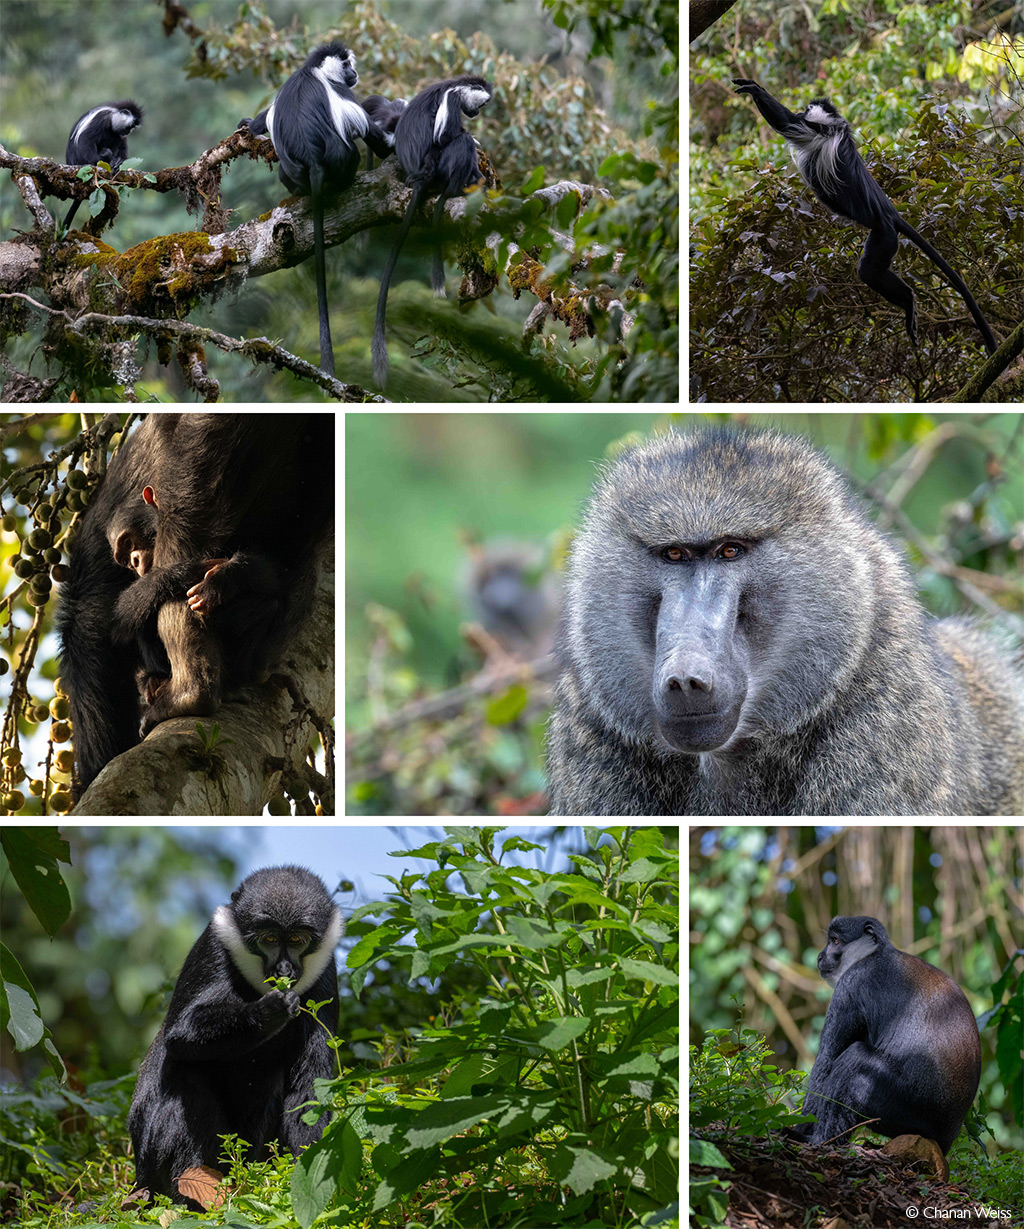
[415, 483]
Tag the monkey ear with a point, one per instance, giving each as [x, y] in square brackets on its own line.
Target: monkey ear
[149, 496]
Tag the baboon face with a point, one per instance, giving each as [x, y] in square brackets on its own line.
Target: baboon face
[706, 590]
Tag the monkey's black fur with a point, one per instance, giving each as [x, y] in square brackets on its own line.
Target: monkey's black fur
[438, 156]
[822, 146]
[900, 1042]
[234, 1056]
[230, 486]
[385, 113]
[101, 135]
[313, 123]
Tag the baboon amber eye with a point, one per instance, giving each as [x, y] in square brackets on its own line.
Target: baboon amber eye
[673, 554]
[730, 551]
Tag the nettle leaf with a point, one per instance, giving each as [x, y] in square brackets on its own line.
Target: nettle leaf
[643, 969]
[581, 1169]
[536, 936]
[557, 1033]
[331, 1163]
[412, 1171]
[439, 1122]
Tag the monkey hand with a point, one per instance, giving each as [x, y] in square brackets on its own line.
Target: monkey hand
[275, 1009]
[203, 597]
[745, 86]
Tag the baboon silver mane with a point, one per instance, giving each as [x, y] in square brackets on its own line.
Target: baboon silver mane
[740, 639]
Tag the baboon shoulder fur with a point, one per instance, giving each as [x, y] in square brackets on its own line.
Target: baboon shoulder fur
[738, 638]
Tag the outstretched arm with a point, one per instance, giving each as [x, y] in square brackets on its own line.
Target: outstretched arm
[144, 597]
[245, 575]
[780, 118]
[382, 143]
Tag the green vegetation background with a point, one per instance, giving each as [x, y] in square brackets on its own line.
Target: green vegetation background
[415, 482]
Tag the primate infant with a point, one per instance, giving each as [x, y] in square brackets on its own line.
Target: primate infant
[900, 1042]
[193, 622]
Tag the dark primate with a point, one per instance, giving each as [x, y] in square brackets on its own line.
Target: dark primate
[385, 113]
[230, 487]
[515, 594]
[822, 146]
[313, 123]
[101, 135]
[900, 1042]
[439, 156]
[216, 639]
[233, 1056]
[739, 639]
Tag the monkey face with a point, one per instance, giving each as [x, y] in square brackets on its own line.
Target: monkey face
[850, 939]
[281, 951]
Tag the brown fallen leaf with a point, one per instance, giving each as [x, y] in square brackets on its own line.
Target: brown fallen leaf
[205, 1185]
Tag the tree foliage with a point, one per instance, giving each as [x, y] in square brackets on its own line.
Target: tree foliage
[574, 244]
[777, 312]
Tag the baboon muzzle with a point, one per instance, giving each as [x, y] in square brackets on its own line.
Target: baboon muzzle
[700, 676]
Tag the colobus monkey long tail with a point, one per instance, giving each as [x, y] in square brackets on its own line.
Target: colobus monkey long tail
[101, 135]
[313, 122]
[822, 146]
[438, 156]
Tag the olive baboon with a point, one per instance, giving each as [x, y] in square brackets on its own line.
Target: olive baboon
[739, 639]
[515, 594]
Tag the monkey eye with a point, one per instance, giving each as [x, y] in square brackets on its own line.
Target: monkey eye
[296, 940]
[730, 550]
[673, 554]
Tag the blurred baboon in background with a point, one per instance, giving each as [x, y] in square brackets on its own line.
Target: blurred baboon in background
[739, 639]
[515, 594]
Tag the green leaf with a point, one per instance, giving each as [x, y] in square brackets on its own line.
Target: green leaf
[535, 936]
[329, 1164]
[704, 1153]
[567, 209]
[480, 1069]
[376, 940]
[21, 1010]
[535, 181]
[643, 969]
[506, 708]
[439, 1122]
[557, 1033]
[580, 1169]
[33, 854]
[413, 1170]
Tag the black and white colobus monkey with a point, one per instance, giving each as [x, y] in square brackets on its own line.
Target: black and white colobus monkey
[385, 113]
[900, 1042]
[101, 135]
[438, 156]
[233, 1056]
[313, 122]
[822, 146]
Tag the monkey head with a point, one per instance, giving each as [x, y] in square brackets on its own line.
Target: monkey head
[280, 923]
[849, 939]
[132, 534]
